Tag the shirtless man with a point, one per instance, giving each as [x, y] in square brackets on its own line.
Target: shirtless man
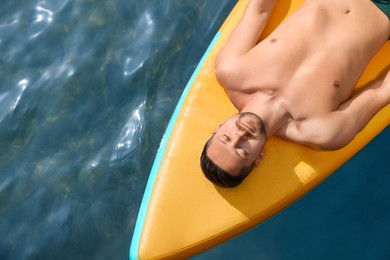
[297, 83]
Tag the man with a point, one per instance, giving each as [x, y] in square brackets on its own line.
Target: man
[298, 83]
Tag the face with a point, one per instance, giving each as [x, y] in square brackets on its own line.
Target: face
[237, 143]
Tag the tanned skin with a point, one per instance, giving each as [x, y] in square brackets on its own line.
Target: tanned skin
[300, 80]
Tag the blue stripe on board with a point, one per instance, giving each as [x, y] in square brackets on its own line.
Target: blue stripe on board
[156, 165]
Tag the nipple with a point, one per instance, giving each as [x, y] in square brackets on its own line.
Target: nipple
[336, 84]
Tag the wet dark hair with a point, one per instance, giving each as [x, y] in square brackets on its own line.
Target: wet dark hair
[218, 176]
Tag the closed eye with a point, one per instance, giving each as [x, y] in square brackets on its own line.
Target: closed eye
[225, 138]
[242, 152]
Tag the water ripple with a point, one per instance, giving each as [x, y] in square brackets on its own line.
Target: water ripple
[130, 137]
[86, 90]
[10, 98]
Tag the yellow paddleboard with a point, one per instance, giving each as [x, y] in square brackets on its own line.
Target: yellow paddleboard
[182, 213]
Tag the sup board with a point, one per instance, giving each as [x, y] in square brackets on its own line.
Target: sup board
[182, 213]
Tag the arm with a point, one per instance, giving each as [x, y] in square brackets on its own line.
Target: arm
[243, 38]
[336, 129]
[247, 32]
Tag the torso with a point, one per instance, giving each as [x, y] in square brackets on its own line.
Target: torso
[312, 62]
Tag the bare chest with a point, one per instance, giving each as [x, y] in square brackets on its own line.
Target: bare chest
[307, 87]
[314, 59]
[318, 86]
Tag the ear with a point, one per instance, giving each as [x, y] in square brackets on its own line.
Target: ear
[259, 158]
[216, 129]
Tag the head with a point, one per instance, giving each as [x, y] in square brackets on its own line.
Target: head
[234, 149]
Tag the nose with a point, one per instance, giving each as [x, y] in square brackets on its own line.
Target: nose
[238, 137]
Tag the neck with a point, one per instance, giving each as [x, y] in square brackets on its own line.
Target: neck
[271, 111]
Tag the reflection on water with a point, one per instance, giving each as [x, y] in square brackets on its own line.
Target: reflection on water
[86, 90]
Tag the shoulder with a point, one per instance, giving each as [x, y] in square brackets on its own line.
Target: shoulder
[317, 132]
[240, 85]
[243, 73]
[229, 71]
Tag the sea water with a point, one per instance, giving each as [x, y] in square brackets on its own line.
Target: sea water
[87, 88]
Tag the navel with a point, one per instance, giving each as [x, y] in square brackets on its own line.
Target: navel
[347, 11]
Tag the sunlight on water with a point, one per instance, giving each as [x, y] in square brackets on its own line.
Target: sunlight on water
[10, 99]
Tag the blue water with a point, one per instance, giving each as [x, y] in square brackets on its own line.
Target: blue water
[87, 88]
